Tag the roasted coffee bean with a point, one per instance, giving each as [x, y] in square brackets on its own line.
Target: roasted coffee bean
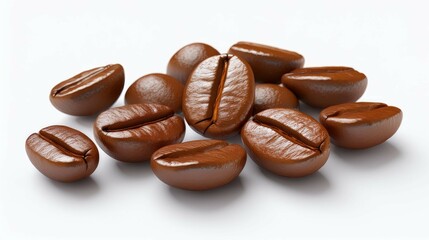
[62, 153]
[361, 124]
[269, 95]
[286, 142]
[183, 62]
[218, 96]
[198, 165]
[89, 92]
[326, 86]
[132, 133]
[268, 63]
[156, 88]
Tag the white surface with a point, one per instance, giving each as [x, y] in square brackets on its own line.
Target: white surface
[379, 193]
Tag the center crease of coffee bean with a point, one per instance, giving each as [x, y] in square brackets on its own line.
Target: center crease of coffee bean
[290, 137]
[220, 84]
[129, 125]
[64, 148]
[79, 80]
[356, 110]
[188, 152]
[220, 89]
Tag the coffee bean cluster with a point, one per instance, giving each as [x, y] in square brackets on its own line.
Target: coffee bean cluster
[253, 90]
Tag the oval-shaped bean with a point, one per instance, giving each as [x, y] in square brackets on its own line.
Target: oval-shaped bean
[286, 142]
[156, 88]
[184, 61]
[326, 86]
[62, 153]
[198, 165]
[269, 95]
[361, 124]
[89, 92]
[268, 63]
[133, 132]
[218, 97]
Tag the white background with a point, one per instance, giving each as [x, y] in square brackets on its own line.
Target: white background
[380, 193]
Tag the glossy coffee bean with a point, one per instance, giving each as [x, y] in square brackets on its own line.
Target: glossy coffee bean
[89, 92]
[361, 124]
[286, 142]
[268, 63]
[326, 86]
[269, 95]
[183, 62]
[62, 153]
[132, 133]
[156, 88]
[198, 165]
[218, 96]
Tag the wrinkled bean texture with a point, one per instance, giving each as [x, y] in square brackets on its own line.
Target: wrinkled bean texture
[62, 153]
[218, 97]
[286, 142]
[198, 165]
[89, 92]
[362, 124]
[133, 132]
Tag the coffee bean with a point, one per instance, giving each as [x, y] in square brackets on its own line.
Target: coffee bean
[156, 88]
[218, 96]
[89, 92]
[132, 133]
[326, 86]
[183, 62]
[286, 142]
[361, 124]
[198, 165]
[268, 63]
[62, 153]
[269, 95]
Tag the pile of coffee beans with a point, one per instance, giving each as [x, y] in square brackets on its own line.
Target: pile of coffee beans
[253, 90]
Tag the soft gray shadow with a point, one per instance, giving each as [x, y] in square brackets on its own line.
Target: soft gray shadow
[313, 184]
[235, 139]
[210, 199]
[181, 114]
[369, 158]
[84, 188]
[135, 170]
[85, 121]
[314, 112]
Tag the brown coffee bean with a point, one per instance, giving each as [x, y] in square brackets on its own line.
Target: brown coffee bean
[183, 62]
[198, 165]
[268, 63]
[62, 153]
[273, 96]
[361, 124]
[89, 92]
[218, 96]
[326, 86]
[132, 133]
[156, 88]
[286, 142]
